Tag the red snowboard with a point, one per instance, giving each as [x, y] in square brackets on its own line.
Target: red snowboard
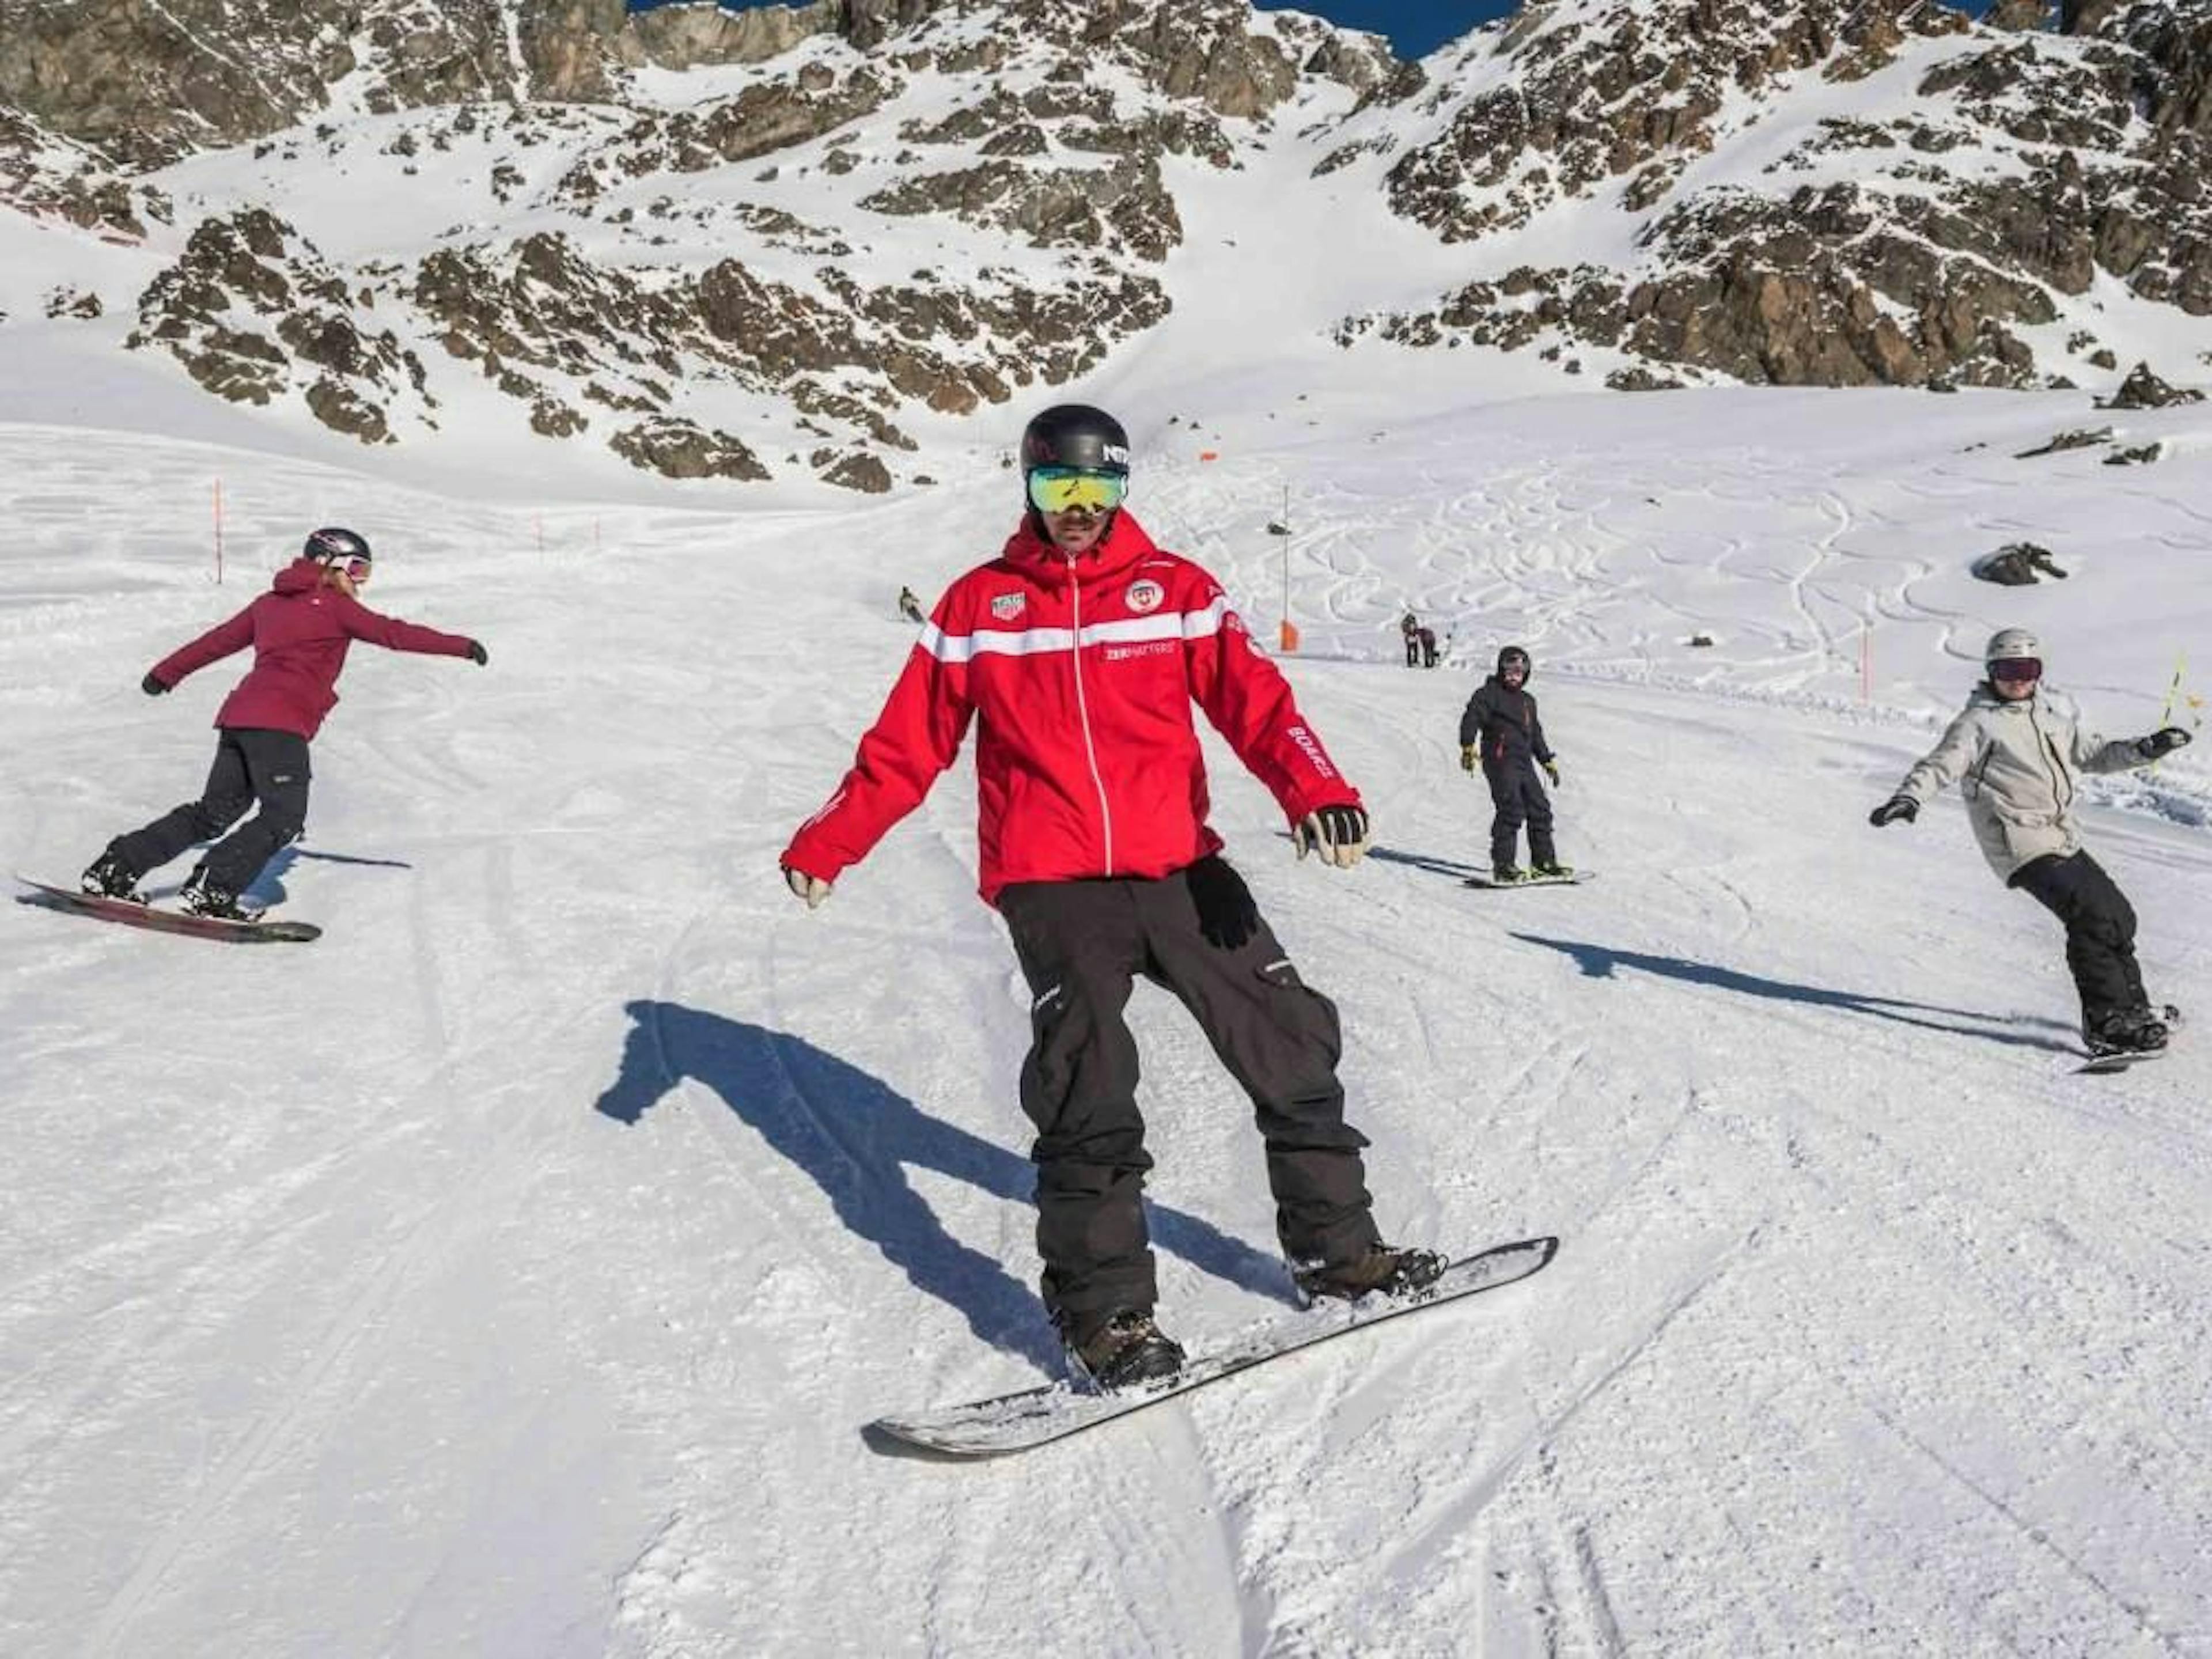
[167, 921]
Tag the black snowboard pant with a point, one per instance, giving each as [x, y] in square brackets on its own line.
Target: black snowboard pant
[250, 765]
[1197, 933]
[1518, 798]
[2100, 931]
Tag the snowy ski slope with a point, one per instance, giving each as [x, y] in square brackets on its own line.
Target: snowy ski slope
[510, 1271]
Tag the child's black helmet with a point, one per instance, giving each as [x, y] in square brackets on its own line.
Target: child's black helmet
[1075, 435]
[337, 547]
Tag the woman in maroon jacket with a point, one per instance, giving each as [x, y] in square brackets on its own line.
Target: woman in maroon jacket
[298, 630]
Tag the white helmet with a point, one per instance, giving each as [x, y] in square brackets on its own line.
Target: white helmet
[2012, 642]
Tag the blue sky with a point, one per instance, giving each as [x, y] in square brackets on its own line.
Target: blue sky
[1416, 28]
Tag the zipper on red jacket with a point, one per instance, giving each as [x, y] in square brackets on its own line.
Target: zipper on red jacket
[1083, 710]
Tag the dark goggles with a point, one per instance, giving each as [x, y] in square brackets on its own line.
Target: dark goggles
[2016, 669]
[1062, 489]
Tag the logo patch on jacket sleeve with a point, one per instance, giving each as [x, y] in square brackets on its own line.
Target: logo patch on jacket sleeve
[1007, 606]
[1145, 594]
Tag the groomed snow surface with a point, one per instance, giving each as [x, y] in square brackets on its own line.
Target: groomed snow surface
[511, 1272]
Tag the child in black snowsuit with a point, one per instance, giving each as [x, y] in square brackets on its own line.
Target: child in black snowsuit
[1501, 729]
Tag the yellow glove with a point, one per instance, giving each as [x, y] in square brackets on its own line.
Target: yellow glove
[1552, 771]
[1467, 757]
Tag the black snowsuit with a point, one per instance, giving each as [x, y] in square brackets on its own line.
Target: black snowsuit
[1500, 723]
[1199, 934]
[2100, 931]
[250, 764]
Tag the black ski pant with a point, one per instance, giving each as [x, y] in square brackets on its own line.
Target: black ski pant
[1518, 798]
[2100, 931]
[1197, 933]
[250, 764]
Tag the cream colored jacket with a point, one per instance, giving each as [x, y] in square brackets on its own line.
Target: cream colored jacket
[2018, 766]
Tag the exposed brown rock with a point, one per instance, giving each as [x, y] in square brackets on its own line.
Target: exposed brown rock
[2079, 438]
[2018, 564]
[680, 449]
[254, 263]
[2144, 390]
[858, 471]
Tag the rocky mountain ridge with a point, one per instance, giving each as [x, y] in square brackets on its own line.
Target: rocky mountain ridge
[1989, 175]
[689, 236]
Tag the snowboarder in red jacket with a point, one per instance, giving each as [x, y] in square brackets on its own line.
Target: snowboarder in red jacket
[1077, 654]
[298, 630]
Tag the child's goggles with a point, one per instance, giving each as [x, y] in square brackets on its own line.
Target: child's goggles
[357, 570]
[1062, 489]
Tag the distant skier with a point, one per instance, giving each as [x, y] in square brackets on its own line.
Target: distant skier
[2017, 750]
[909, 606]
[298, 630]
[1428, 638]
[1500, 731]
[1409, 625]
[1078, 652]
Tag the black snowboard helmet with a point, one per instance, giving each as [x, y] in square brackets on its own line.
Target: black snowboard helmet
[1514, 657]
[1075, 435]
[337, 548]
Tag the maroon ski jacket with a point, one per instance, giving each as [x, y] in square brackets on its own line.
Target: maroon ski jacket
[299, 631]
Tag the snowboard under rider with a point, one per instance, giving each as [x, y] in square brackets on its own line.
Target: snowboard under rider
[1500, 731]
[2017, 752]
[298, 630]
[1076, 654]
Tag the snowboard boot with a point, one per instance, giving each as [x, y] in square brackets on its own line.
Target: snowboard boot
[109, 877]
[1126, 1350]
[1384, 1269]
[1504, 875]
[202, 898]
[1553, 868]
[2125, 1032]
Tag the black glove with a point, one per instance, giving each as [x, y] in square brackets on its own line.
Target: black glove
[2164, 741]
[1227, 917]
[1339, 834]
[478, 654]
[1896, 807]
[154, 687]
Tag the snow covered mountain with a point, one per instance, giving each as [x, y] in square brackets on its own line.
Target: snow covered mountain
[510, 1272]
[796, 242]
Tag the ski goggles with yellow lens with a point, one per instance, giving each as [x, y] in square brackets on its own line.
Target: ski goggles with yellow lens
[1062, 489]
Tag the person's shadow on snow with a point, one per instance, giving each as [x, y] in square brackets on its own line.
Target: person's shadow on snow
[855, 1137]
[267, 888]
[1600, 962]
[1429, 862]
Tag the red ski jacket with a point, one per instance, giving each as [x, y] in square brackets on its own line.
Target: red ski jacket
[299, 631]
[1079, 674]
